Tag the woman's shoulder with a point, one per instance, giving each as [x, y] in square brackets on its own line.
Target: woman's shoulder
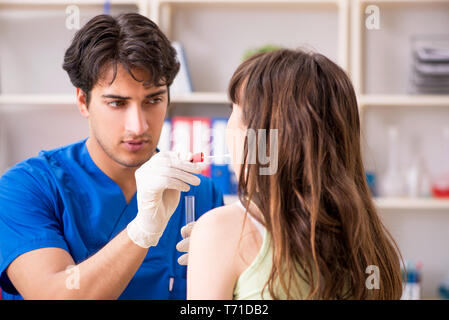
[221, 221]
[227, 227]
[222, 214]
[229, 232]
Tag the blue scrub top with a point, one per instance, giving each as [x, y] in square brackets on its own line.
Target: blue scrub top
[62, 199]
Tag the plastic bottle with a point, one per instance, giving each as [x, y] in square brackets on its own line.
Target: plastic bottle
[412, 288]
[440, 187]
[391, 183]
[443, 289]
[418, 182]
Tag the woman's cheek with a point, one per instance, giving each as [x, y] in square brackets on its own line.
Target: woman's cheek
[235, 139]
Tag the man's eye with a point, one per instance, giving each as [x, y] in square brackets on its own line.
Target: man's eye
[153, 101]
[116, 103]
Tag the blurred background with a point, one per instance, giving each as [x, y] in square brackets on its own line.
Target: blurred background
[396, 52]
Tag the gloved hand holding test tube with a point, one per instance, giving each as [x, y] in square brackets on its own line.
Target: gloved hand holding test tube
[183, 245]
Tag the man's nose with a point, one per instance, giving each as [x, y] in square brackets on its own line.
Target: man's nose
[136, 122]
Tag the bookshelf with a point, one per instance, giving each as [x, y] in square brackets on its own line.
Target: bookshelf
[391, 102]
[349, 12]
[350, 56]
[419, 225]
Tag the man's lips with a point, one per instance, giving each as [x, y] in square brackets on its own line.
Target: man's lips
[135, 141]
[135, 145]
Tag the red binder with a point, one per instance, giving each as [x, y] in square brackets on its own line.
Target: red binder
[192, 134]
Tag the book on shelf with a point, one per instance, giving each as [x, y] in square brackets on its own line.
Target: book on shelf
[192, 134]
[430, 64]
[221, 171]
[182, 84]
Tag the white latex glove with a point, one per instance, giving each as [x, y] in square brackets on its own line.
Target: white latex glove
[183, 245]
[159, 182]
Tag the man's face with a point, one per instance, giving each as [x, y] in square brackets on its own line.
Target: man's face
[126, 118]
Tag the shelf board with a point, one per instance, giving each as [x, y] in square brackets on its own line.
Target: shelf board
[406, 100]
[412, 203]
[201, 97]
[37, 99]
[222, 98]
[402, 1]
[65, 2]
[392, 203]
[68, 99]
[251, 1]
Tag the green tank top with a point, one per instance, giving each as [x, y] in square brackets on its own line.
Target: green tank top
[251, 282]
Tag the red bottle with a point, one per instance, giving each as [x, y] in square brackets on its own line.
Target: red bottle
[440, 187]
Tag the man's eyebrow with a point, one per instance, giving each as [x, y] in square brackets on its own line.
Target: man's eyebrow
[114, 96]
[156, 93]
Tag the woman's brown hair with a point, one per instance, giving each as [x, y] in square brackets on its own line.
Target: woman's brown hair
[317, 206]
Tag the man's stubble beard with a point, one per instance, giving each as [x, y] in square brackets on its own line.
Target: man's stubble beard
[116, 159]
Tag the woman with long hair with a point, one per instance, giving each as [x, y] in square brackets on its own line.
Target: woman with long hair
[308, 229]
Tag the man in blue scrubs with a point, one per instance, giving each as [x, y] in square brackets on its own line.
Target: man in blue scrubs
[100, 218]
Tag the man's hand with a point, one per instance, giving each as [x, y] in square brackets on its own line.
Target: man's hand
[159, 184]
[183, 245]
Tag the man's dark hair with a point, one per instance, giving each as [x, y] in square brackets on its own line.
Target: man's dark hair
[129, 39]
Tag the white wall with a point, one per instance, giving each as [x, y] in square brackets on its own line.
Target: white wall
[216, 37]
[387, 50]
[32, 47]
[30, 131]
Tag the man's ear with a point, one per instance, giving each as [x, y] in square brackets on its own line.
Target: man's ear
[81, 101]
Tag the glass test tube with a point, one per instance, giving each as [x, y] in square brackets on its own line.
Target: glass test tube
[190, 209]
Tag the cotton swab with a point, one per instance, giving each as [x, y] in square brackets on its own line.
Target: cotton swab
[200, 157]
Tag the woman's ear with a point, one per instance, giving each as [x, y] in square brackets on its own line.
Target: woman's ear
[81, 101]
